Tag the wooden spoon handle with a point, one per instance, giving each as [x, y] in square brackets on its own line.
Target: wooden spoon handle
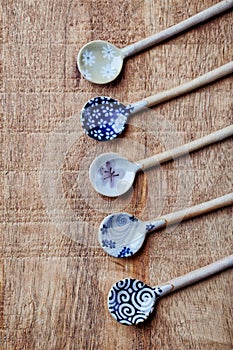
[199, 274]
[198, 209]
[186, 148]
[177, 28]
[182, 89]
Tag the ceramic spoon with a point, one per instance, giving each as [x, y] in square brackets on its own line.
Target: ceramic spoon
[121, 235]
[112, 175]
[101, 62]
[131, 301]
[104, 118]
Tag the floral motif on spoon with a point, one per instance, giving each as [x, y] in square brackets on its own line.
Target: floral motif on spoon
[104, 60]
[110, 175]
[122, 234]
[104, 118]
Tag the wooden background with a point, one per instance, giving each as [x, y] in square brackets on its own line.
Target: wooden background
[54, 277]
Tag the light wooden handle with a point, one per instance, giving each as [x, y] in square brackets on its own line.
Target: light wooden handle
[186, 148]
[182, 89]
[198, 209]
[199, 274]
[177, 28]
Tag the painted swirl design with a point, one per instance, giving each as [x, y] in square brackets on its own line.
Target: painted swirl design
[131, 301]
[121, 220]
[121, 235]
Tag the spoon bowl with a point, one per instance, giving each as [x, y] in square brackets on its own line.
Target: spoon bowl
[112, 175]
[122, 235]
[131, 301]
[104, 118]
[100, 62]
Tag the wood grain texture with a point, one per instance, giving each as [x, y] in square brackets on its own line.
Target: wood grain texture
[54, 276]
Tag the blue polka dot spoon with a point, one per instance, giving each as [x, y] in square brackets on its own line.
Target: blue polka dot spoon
[112, 175]
[131, 301]
[104, 118]
[121, 235]
[101, 62]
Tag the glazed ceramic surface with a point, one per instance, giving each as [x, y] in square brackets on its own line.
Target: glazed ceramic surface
[122, 235]
[99, 61]
[104, 118]
[131, 301]
[112, 175]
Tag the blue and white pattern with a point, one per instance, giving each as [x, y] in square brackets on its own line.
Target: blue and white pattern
[109, 244]
[99, 61]
[125, 231]
[104, 118]
[108, 71]
[133, 218]
[125, 252]
[88, 58]
[150, 227]
[108, 52]
[131, 302]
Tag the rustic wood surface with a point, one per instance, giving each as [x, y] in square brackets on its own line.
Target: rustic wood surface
[54, 276]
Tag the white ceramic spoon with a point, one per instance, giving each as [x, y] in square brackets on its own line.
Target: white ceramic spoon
[131, 302]
[104, 118]
[112, 175]
[121, 235]
[101, 62]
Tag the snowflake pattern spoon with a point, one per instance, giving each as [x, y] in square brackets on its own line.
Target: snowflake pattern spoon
[121, 235]
[131, 301]
[104, 118]
[101, 62]
[112, 175]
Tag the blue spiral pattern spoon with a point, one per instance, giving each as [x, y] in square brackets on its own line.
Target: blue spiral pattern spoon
[131, 302]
